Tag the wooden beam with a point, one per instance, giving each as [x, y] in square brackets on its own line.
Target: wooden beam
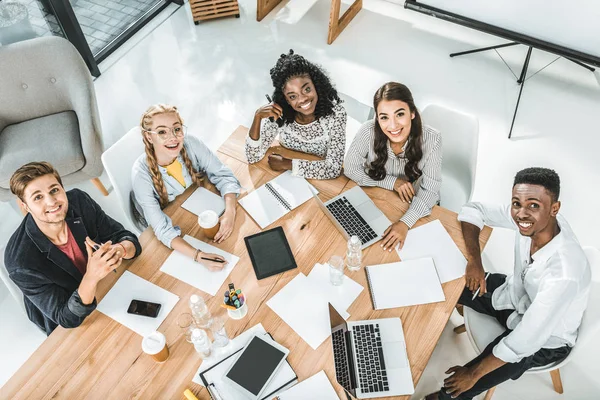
[100, 186]
[337, 24]
[264, 7]
[556, 381]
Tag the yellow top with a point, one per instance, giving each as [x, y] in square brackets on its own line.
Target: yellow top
[175, 169]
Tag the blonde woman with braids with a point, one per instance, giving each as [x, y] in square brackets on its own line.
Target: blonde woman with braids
[173, 161]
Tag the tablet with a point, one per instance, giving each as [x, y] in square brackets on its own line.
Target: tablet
[255, 366]
[270, 253]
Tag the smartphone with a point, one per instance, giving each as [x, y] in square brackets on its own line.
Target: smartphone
[145, 308]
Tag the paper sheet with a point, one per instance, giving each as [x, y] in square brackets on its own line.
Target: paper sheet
[203, 199]
[340, 296]
[129, 287]
[192, 273]
[304, 307]
[315, 387]
[432, 240]
[405, 283]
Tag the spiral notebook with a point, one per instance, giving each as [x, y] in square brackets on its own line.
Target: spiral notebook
[405, 283]
[276, 198]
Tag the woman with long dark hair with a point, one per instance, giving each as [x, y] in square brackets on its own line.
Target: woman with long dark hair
[307, 115]
[396, 152]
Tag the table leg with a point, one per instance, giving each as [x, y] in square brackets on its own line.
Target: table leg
[264, 7]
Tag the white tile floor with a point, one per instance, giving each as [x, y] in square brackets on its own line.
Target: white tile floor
[217, 73]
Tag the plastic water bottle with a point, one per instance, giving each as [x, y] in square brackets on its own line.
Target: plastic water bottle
[201, 342]
[354, 254]
[200, 311]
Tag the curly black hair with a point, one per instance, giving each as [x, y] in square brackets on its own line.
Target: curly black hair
[291, 65]
[545, 177]
[414, 147]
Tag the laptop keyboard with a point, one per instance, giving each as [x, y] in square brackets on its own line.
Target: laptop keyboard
[351, 220]
[341, 362]
[369, 355]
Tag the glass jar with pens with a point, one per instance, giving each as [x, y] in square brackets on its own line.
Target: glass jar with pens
[235, 302]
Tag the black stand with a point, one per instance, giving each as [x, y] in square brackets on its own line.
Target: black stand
[521, 79]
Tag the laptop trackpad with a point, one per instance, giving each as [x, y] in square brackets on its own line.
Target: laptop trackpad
[368, 210]
[394, 355]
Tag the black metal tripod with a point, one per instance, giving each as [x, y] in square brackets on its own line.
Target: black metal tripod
[521, 79]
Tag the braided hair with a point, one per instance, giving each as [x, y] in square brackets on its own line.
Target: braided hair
[293, 65]
[414, 147]
[157, 180]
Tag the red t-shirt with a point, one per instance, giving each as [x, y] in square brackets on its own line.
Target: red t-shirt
[72, 250]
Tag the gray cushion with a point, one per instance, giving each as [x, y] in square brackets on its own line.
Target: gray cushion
[56, 139]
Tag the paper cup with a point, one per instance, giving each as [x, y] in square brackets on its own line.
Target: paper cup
[209, 222]
[155, 345]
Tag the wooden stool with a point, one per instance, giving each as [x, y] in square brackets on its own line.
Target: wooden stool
[209, 9]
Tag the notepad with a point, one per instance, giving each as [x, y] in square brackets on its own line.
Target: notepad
[276, 198]
[315, 387]
[202, 200]
[405, 283]
[195, 274]
[130, 287]
[432, 240]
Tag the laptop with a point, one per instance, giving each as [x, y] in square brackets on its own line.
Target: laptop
[354, 213]
[370, 357]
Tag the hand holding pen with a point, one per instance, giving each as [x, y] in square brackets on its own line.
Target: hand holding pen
[478, 289]
[101, 259]
[212, 262]
[272, 110]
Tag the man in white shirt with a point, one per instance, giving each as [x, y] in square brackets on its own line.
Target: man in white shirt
[541, 305]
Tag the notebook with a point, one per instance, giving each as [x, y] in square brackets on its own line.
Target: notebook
[315, 387]
[270, 253]
[202, 200]
[212, 378]
[276, 198]
[404, 283]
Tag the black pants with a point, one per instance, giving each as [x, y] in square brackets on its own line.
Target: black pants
[513, 371]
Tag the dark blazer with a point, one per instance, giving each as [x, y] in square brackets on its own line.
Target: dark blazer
[46, 276]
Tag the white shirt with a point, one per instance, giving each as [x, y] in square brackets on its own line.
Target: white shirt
[548, 294]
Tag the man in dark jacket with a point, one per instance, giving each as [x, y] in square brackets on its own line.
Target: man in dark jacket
[65, 245]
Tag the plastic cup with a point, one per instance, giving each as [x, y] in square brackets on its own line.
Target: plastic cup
[155, 345]
[209, 222]
[336, 270]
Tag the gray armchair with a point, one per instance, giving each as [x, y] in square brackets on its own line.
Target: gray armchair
[48, 112]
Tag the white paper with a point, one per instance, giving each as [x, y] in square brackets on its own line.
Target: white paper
[203, 199]
[432, 240]
[130, 287]
[305, 309]
[192, 273]
[405, 283]
[315, 387]
[341, 296]
[264, 208]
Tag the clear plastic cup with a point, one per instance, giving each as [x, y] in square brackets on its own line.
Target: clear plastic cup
[336, 270]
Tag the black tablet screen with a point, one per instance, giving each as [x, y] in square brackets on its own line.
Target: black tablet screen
[270, 253]
[255, 365]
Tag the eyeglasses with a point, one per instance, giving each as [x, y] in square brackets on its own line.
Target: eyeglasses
[165, 133]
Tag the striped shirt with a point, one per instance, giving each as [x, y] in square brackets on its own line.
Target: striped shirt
[325, 137]
[427, 187]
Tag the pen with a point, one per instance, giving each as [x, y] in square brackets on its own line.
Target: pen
[270, 101]
[96, 247]
[214, 393]
[227, 306]
[477, 291]
[213, 259]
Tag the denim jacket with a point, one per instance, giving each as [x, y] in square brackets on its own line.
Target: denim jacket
[146, 198]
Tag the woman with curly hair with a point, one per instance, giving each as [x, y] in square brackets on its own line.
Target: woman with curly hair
[307, 114]
[396, 152]
[173, 161]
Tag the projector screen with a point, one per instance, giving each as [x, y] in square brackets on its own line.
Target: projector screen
[569, 28]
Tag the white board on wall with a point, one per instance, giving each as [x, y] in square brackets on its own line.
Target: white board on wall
[574, 24]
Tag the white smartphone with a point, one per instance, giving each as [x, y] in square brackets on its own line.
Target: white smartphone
[255, 366]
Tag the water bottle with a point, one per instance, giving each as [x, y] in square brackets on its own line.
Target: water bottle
[201, 342]
[354, 254]
[200, 311]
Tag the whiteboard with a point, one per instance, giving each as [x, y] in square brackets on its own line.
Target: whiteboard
[574, 24]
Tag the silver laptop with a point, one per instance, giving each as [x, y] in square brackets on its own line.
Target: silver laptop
[370, 357]
[354, 213]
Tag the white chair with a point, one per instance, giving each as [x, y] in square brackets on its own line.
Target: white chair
[358, 113]
[460, 136]
[12, 288]
[483, 329]
[118, 162]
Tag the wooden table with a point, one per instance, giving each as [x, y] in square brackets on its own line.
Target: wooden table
[103, 359]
